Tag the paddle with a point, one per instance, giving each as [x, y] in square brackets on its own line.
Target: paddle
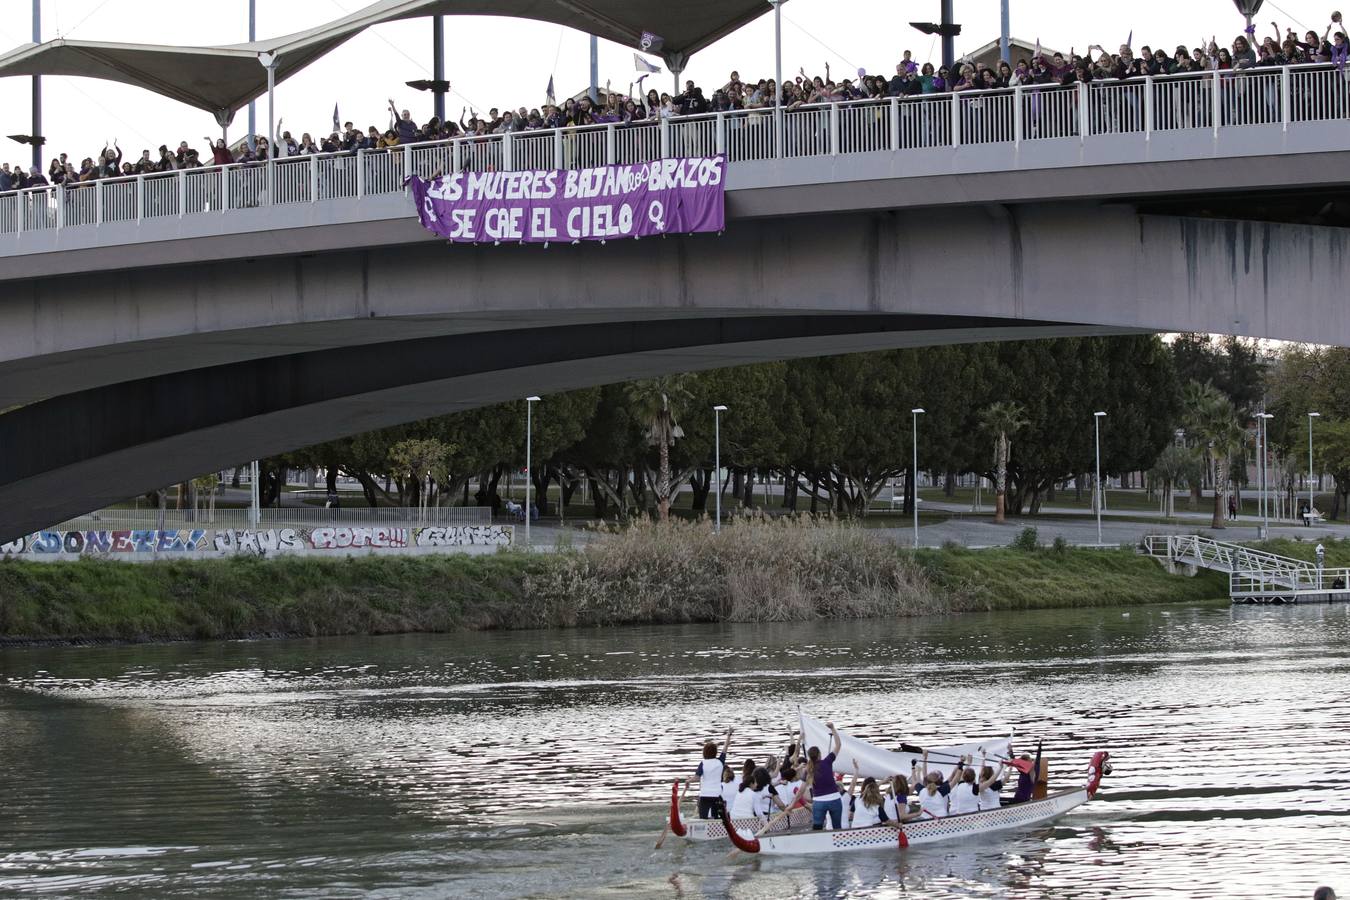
[1020, 764]
[665, 829]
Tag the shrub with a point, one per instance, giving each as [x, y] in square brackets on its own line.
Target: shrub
[1026, 540]
[1061, 546]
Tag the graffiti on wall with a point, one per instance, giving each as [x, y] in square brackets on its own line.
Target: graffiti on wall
[256, 542]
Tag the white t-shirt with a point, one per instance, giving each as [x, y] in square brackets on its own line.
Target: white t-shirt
[965, 798]
[895, 810]
[865, 816]
[989, 798]
[729, 794]
[934, 804]
[710, 778]
[787, 791]
[746, 804]
[764, 801]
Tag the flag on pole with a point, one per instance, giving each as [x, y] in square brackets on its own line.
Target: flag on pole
[651, 43]
[549, 92]
[643, 66]
[337, 120]
[1037, 55]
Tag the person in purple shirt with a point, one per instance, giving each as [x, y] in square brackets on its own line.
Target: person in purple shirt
[825, 798]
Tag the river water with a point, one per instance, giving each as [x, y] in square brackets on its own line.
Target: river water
[535, 764]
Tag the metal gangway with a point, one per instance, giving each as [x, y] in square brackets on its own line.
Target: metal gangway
[1254, 576]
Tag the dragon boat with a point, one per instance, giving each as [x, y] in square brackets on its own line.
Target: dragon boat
[797, 840]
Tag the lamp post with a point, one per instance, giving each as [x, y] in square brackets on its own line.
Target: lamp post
[778, 76]
[717, 462]
[1261, 419]
[914, 472]
[254, 514]
[529, 448]
[1097, 487]
[1311, 416]
[1003, 35]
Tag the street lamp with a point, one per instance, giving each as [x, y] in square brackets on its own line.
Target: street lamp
[1261, 419]
[1097, 496]
[529, 448]
[717, 462]
[914, 473]
[1311, 416]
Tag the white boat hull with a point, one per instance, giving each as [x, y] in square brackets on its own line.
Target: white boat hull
[927, 831]
[715, 830]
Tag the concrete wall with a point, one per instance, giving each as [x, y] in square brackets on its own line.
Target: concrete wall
[209, 543]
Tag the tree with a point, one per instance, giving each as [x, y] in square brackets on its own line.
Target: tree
[1173, 466]
[655, 403]
[1001, 420]
[1210, 416]
[420, 458]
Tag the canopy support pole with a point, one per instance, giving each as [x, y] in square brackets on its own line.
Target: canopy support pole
[37, 90]
[948, 41]
[438, 64]
[595, 69]
[252, 106]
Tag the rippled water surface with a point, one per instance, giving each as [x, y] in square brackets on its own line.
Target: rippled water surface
[534, 764]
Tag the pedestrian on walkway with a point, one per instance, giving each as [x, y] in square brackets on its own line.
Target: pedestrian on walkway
[1232, 508]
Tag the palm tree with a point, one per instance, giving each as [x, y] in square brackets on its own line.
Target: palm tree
[1213, 420]
[1002, 420]
[655, 403]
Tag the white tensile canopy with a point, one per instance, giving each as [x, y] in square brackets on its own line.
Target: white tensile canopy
[223, 79]
[877, 762]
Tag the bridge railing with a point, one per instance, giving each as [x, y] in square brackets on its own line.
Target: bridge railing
[1208, 101]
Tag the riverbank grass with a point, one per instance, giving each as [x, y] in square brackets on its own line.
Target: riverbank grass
[774, 571]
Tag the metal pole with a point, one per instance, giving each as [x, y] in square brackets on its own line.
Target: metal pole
[1003, 36]
[438, 64]
[595, 69]
[778, 77]
[914, 475]
[254, 516]
[37, 89]
[717, 464]
[1097, 487]
[529, 449]
[1311, 416]
[252, 105]
[948, 41]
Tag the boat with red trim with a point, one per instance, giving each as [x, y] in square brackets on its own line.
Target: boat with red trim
[749, 838]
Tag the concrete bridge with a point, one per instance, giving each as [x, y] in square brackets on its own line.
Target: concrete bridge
[157, 327]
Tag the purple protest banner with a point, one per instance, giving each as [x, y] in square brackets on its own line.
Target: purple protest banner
[606, 203]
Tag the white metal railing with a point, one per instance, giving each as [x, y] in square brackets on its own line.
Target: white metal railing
[1284, 98]
[1251, 573]
[175, 519]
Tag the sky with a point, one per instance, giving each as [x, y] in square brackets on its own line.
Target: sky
[493, 61]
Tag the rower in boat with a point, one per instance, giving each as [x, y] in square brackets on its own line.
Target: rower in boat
[709, 775]
[825, 798]
[754, 798]
[965, 795]
[789, 785]
[991, 785]
[897, 804]
[933, 796]
[868, 807]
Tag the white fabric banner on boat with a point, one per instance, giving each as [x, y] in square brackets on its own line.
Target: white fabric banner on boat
[880, 763]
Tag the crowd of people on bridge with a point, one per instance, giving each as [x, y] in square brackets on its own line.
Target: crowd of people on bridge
[1246, 52]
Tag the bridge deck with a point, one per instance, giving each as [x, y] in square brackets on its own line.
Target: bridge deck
[1220, 114]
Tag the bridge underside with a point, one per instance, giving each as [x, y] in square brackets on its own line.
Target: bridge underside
[64, 456]
[133, 379]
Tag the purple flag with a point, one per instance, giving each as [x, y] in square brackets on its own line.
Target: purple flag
[604, 203]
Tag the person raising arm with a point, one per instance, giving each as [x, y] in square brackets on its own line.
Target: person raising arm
[825, 798]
